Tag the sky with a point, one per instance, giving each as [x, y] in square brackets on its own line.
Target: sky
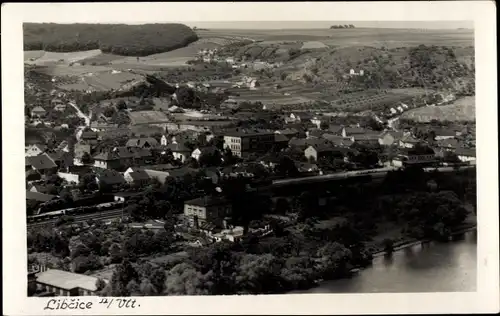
[326, 24]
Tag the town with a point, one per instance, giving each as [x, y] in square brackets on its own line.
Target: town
[153, 180]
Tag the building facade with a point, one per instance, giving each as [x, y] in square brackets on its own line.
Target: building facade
[242, 142]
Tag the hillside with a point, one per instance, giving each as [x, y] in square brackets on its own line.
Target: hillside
[463, 110]
[433, 67]
[118, 39]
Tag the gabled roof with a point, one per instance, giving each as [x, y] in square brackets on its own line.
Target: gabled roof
[321, 147]
[141, 142]
[38, 109]
[40, 197]
[139, 175]
[445, 132]
[41, 162]
[469, 152]
[355, 131]
[335, 128]
[110, 177]
[178, 147]
[207, 201]
[409, 139]
[123, 153]
[280, 137]
[67, 280]
[32, 175]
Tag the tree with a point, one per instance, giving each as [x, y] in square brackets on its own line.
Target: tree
[334, 259]
[388, 245]
[259, 274]
[184, 279]
[282, 206]
[185, 97]
[121, 105]
[286, 167]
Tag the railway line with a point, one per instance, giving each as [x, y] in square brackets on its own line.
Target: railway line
[103, 215]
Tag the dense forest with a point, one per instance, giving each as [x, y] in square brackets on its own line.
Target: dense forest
[119, 39]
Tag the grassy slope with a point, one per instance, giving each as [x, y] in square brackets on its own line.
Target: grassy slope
[120, 39]
[463, 109]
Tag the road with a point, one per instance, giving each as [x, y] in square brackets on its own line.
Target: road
[110, 214]
[83, 116]
[379, 172]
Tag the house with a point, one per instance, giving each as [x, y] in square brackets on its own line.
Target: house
[269, 160]
[242, 142]
[164, 140]
[39, 197]
[69, 177]
[304, 167]
[38, 111]
[39, 188]
[336, 129]
[317, 121]
[32, 175]
[354, 131]
[412, 156]
[318, 151]
[234, 234]
[179, 151]
[206, 209]
[59, 105]
[143, 142]
[442, 134]
[81, 150]
[34, 150]
[198, 152]
[64, 283]
[62, 159]
[41, 163]
[110, 178]
[63, 146]
[466, 155]
[298, 117]
[338, 141]
[136, 176]
[390, 138]
[289, 132]
[449, 143]
[89, 137]
[119, 157]
[408, 141]
[280, 141]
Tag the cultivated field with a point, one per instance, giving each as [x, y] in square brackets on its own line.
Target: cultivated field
[354, 37]
[45, 58]
[463, 109]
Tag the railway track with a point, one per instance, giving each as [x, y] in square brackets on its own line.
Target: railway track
[110, 214]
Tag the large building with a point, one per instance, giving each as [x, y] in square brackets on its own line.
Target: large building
[63, 283]
[206, 210]
[246, 141]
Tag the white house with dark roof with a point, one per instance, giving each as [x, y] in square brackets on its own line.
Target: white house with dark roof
[466, 155]
[38, 111]
[34, 150]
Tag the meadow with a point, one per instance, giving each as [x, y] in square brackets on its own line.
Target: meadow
[464, 109]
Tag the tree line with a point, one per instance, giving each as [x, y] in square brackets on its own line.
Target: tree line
[119, 39]
[340, 26]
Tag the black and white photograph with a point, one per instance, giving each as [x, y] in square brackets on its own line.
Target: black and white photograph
[245, 157]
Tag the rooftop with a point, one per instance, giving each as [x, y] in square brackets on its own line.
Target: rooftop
[67, 280]
[240, 132]
[41, 197]
[207, 201]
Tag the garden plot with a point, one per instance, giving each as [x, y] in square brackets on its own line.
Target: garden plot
[52, 57]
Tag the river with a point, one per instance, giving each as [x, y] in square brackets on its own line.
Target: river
[434, 267]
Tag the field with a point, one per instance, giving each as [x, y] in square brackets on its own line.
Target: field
[145, 117]
[45, 58]
[353, 37]
[463, 109]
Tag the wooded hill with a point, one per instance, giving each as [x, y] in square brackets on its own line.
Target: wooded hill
[119, 39]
